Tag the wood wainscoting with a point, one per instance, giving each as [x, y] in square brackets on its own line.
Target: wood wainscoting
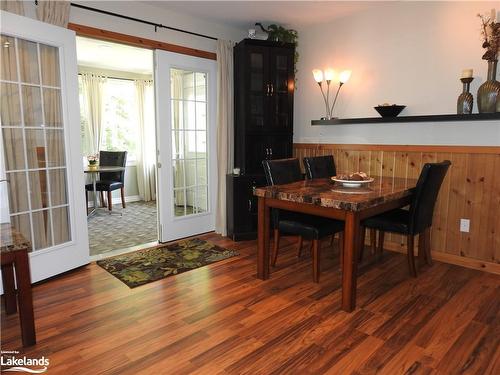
[471, 191]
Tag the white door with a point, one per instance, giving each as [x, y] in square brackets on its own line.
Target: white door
[41, 167]
[186, 137]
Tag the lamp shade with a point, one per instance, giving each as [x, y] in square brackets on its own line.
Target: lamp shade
[329, 74]
[318, 75]
[344, 76]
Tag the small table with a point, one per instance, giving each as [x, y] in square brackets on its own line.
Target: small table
[321, 197]
[14, 250]
[93, 174]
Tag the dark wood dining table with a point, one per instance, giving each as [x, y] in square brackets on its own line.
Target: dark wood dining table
[323, 197]
[14, 249]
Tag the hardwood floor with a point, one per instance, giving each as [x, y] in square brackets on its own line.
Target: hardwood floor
[221, 319]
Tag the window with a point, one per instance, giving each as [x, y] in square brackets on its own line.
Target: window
[120, 131]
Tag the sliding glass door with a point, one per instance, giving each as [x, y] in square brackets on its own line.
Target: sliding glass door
[185, 100]
[41, 167]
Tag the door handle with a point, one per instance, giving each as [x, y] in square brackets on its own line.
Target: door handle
[158, 165]
[267, 152]
[272, 89]
[249, 205]
[271, 152]
[268, 89]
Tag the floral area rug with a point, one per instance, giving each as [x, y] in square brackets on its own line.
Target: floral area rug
[144, 266]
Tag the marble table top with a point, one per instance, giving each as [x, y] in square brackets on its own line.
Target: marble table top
[12, 240]
[326, 193]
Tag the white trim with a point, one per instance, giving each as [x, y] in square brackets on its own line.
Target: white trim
[118, 200]
[112, 253]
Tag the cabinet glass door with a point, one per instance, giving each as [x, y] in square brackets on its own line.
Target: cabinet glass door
[279, 146]
[259, 88]
[257, 150]
[282, 86]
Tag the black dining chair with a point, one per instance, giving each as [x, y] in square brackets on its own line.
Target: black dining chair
[310, 227]
[320, 167]
[110, 181]
[416, 220]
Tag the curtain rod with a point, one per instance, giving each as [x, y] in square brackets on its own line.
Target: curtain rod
[156, 25]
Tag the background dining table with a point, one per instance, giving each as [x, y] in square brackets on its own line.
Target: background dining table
[323, 197]
[93, 171]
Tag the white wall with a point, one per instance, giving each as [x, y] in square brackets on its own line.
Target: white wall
[405, 53]
[153, 13]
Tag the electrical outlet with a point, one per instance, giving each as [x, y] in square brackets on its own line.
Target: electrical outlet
[464, 225]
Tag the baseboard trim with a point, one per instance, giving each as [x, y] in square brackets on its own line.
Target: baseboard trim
[118, 200]
[130, 198]
[475, 264]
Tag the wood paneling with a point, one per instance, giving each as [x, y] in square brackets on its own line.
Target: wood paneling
[471, 190]
[112, 36]
[220, 319]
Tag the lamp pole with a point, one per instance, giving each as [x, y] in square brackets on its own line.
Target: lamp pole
[327, 105]
[335, 100]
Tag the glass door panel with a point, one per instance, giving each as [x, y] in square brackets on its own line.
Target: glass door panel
[29, 135]
[189, 156]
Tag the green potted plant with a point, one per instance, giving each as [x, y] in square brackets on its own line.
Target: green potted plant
[278, 33]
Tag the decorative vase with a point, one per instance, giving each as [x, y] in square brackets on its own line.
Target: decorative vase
[465, 100]
[92, 166]
[489, 91]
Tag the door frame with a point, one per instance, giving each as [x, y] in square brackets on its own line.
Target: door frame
[170, 227]
[51, 261]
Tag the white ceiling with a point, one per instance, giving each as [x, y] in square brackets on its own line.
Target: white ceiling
[243, 14]
[100, 54]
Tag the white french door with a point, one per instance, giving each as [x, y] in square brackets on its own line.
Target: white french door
[186, 137]
[42, 193]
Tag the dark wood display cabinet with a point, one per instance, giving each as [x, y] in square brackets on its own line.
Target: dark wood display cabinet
[264, 78]
[242, 206]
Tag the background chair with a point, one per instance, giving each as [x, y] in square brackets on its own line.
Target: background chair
[416, 220]
[285, 171]
[320, 167]
[110, 181]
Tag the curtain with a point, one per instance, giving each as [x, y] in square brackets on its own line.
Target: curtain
[146, 153]
[225, 128]
[54, 12]
[13, 6]
[92, 109]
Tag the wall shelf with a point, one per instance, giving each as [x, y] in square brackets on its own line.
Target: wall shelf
[426, 118]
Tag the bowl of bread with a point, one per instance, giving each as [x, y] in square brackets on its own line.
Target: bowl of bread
[352, 180]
